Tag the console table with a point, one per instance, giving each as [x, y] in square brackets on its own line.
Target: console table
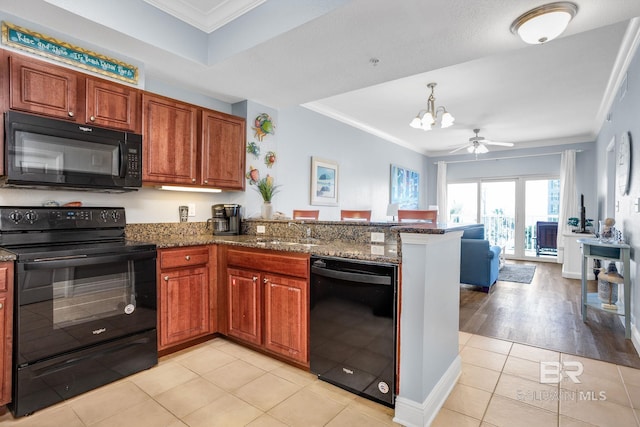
[617, 252]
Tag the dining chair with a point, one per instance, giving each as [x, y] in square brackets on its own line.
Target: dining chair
[355, 215]
[417, 215]
[306, 214]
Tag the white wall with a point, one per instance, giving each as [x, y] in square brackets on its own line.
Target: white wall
[624, 117]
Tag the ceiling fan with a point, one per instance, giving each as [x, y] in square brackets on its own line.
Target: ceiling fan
[478, 144]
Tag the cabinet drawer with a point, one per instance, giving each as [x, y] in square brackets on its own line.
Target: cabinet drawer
[183, 257]
[289, 264]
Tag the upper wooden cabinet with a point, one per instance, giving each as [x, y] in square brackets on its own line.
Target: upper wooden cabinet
[176, 153]
[42, 88]
[170, 143]
[223, 152]
[112, 105]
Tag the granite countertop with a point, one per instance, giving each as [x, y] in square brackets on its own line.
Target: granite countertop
[7, 256]
[376, 252]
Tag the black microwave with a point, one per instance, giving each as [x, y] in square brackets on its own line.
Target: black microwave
[40, 152]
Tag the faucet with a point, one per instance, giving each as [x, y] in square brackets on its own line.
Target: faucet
[308, 229]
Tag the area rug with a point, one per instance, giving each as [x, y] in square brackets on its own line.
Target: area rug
[519, 273]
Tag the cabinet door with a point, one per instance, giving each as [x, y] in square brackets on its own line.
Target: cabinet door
[169, 130]
[244, 302]
[41, 88]
[184, 305]
[223, 150]
[6, 328]
[285, 316]
[112, 105]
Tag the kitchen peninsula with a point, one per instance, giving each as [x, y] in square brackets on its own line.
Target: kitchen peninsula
[429, 256]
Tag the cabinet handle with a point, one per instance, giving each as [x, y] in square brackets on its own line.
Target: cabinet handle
[71, 114]
[265, 280]
[193, 180]
[92, 118]
[255, 278]
[166, 278]
[206, 181]
[1, 306]
[188, 257]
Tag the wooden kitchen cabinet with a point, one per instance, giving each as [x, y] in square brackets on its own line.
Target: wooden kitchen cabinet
[170, 141]
[6, 330]
[223, 150]
[244, 309]
[185, 296]
[42, 88]
[112, 105]
[267, 301]
[286, 316]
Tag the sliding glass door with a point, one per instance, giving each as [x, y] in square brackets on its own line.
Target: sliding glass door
[542, 204]
[498, 213]
[509, 209]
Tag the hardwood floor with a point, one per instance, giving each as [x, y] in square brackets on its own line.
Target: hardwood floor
[546, 314]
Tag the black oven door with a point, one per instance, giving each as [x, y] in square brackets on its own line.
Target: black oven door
[73, 301]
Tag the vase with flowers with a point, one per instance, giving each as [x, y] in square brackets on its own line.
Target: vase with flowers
[267, 190]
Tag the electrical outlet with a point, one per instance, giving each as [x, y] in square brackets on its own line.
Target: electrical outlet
[192, 209]
[377, 237]
[260, 229]
[377, 250]
[636, 205]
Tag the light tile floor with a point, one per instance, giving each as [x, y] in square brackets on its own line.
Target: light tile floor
[219, 383]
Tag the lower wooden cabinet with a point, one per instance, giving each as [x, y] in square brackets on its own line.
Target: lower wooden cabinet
[285, 316]
[244, 310]
[6, 330]
[185, 296]
[267, 301]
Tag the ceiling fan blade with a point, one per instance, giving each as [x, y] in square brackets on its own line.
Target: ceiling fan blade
[504, 144]
[459, 148]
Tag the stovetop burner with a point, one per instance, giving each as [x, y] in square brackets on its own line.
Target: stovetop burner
[45, 232]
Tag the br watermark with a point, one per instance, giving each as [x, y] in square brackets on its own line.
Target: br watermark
[553, 373]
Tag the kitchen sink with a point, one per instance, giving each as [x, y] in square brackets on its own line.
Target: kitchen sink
[287, 243]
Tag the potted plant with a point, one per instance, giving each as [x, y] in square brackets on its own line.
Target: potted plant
[267, 190]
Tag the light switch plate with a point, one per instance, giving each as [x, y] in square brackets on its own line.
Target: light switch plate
[377, 237]
[636, 205]
[192, 209]
[260, 229]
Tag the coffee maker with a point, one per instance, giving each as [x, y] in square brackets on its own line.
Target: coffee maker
[225, 219]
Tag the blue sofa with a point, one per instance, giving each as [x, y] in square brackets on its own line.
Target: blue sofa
[479, 261]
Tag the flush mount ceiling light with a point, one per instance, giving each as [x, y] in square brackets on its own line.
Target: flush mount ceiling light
[427, 118]
[544, 23]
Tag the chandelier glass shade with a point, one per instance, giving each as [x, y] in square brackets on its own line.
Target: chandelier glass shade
[427, 118]
[544, 23]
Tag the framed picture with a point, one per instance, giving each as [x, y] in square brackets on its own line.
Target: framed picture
[405, 187]
[324, 182]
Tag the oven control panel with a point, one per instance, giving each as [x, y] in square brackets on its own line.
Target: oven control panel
[15, 218]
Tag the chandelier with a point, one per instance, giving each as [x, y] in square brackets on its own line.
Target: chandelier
[427, 118]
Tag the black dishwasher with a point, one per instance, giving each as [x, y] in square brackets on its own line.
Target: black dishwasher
[353, 326]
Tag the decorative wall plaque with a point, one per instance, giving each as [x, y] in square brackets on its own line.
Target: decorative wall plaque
[58, 50]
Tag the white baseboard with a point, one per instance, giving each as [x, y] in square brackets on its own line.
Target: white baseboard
[635, 337]
[414, 414]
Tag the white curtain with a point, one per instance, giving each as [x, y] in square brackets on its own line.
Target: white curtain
[568, 197]
[441, 194]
